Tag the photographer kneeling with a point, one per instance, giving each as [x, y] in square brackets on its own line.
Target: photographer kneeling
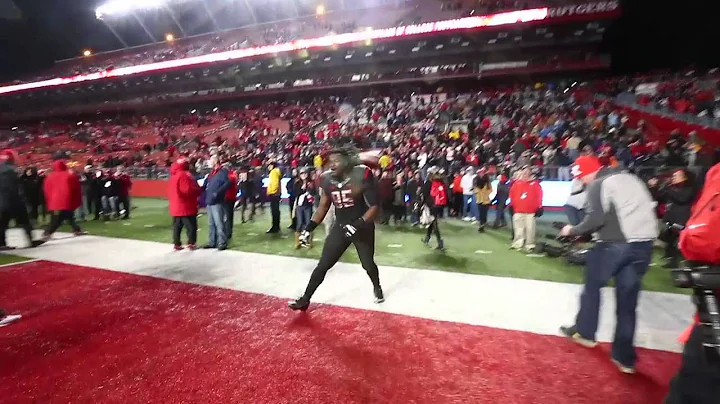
[620, 210]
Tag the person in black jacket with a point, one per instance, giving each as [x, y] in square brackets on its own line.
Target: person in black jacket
[12, 203]
[97, 191]
[413, 186]
[32, 189]
[678, 196]
[500, 201]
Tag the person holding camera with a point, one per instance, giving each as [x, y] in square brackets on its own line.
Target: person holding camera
[621, 213]
[678, 195]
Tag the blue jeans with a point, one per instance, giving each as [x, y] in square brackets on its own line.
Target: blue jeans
[574, 215]
[216, 220]
[303, 214]
[627, 263]
[470, 208]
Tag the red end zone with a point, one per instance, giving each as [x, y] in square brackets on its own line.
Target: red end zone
[92, 336]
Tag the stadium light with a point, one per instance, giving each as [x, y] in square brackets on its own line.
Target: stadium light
[320, 10]
[169, 37]
[116, 7]
[87, 52]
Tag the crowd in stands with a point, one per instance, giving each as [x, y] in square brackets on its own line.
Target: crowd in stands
[545, 127]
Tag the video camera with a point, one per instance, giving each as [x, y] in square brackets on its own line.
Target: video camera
[704, 280]
[571, 247]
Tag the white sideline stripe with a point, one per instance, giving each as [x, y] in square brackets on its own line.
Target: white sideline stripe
[19, 262]
[516, 304]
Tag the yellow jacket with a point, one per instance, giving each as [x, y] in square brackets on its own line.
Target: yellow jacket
[273, 187]
[482, 195]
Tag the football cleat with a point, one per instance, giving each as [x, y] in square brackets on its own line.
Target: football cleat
[379, 297]
[299, 304]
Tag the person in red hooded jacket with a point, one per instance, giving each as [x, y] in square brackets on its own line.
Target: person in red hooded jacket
[62, 195]
[526, 200]
[183, 194]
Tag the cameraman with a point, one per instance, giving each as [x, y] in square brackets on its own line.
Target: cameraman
[677, 195]
[620, 210]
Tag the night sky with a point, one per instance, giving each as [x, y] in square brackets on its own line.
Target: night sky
[646, 37]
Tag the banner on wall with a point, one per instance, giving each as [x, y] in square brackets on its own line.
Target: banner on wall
[584, 9]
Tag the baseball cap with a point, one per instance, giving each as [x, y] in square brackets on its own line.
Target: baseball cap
[585, 165]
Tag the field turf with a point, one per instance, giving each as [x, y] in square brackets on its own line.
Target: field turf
[467, 251]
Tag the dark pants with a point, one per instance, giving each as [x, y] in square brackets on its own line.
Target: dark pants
[574, 215]
[398, 213]
[500, 219]
[275, 211]
[291, 203]
[190, 225]
[672, 253]
[21, 220]
[483, 209]
[58, 218]
[698, 381]
[230, 221]
[434, 227]
[335, 245]
[457, 204]
[125, 202]
[244, 202]
[98, 206]
[627, 263]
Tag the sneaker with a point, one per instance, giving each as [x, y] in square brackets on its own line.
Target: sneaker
[299, 304]
[425, 241]
[571, 332]
[379, 297]
[192, 247]
[9, 319]
[80, 233]
[177, 248]
[222, 248]
[628, 370]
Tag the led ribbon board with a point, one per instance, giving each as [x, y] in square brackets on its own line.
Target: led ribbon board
[512, 17]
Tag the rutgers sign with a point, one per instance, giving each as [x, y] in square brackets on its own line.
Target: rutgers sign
[584, 9]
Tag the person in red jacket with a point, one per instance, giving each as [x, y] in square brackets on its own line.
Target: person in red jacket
[526, 200]
[230, 198]
[183, 194]
[62, 196]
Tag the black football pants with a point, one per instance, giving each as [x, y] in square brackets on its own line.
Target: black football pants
[698, 381]
[335, 245]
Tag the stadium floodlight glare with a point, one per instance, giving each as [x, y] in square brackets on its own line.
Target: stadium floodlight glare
[460, 24]
[169, 37]
[87, 52]
[320, 10]
[118, 7]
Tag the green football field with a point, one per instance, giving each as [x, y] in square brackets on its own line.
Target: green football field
[467, 251]
[6, 259]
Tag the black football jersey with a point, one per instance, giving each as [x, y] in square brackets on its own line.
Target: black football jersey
[352, 196]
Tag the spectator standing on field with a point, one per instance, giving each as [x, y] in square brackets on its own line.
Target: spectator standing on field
[274, 195]
[63, 195]
[621, 213]
[12, 205]
[216, 185]
[526, 197]
[183, 193]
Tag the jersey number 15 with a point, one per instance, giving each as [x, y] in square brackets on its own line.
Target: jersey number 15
[343, 199]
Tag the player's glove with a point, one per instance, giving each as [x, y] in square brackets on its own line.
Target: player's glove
[305, 237]
[352, 229]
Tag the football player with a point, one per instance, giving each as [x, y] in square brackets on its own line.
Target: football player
[352, 190]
